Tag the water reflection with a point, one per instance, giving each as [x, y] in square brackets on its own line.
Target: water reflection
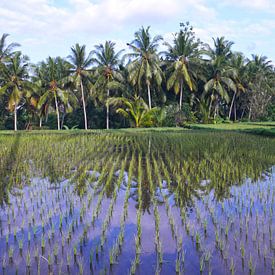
[116, 203]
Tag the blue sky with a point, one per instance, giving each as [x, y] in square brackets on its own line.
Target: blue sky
[50, 27]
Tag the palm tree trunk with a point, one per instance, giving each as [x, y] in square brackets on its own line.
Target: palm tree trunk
[62, 120]
[15, 117]
[249, 114]
[57, 111]
[84, 105]
[210, 106]
[40, 122]
[231, 106]
[242, 113]
[107, 105]
[149, 95]
[181, 92]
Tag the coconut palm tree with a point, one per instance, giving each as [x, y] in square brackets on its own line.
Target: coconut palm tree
[220, 73]
[107, 72]
[181, 55]
[52, 74]
[135, 109]
[238, 63]
[6, 51]
[15, 82]
[80, 71]
[145, 66]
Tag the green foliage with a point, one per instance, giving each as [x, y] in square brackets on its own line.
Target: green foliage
[211, 84]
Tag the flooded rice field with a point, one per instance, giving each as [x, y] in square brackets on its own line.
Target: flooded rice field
[143, 203]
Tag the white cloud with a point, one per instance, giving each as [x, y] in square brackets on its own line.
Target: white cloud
[267, 5]
[47, 27]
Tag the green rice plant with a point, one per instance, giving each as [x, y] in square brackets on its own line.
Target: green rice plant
[198, 239]
[250, 265]
[242, 251]
[202, 265]
[232, 266]
[28, 259]
[4, 263]
[11, 250]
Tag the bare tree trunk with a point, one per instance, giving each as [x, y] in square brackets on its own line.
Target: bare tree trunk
[231, 106]
[84, 105]
[15, 117]
[235, 112]
[57, 111]
[149, 95]
[181, 92]
[40, 122]
[108, 110]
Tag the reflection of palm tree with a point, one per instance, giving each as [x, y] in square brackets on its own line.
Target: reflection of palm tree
[6, 169]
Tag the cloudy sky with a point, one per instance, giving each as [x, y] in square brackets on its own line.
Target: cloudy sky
[51, 27]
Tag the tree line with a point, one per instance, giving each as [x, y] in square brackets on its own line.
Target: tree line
[190, 81]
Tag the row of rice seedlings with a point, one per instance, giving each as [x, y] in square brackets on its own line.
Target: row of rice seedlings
[158, 243]
[179, 252]
[135, 263]
[117, 246]
[109, 215]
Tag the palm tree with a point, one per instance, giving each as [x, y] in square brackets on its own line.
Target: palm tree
[15, 79]
[238, 64]
[80, 70]
[259, 73]
[135, 109]
[6, 51]
[182, 55]
[145, 67]
[107, 61]
[220, 72]
[52, 73]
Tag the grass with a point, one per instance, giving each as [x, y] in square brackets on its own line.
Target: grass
[259, 128]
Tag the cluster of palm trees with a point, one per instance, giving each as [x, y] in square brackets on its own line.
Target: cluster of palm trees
[215, 82]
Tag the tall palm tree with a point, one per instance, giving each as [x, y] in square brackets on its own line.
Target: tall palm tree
[15, 82]
[80, 70]
[220, 72]
[259, 73]
[145, 66]
[238, 64]
[107, 61]
[52, 73]
[181, 55]
[6, 51]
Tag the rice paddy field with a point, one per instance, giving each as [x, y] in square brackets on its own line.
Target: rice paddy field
[186, 202]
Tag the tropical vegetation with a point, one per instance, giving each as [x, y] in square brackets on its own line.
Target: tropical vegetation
[183, 80]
